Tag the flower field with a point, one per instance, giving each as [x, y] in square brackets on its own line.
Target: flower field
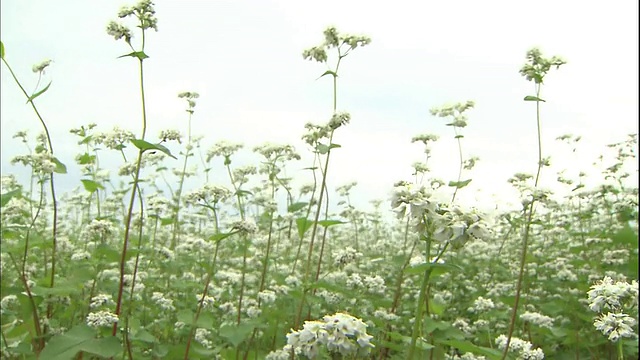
[135, 264]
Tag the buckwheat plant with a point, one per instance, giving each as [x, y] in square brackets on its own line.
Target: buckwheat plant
[343, 45]
[190, 98]
[143, 14]
[535, 69]
[458, 121]
[422, 167]
[44, 156]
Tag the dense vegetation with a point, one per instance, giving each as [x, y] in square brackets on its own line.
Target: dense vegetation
[135, 265]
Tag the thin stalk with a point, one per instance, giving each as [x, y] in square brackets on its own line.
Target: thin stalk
[52, 186]
[461, 164]
[136, 180]
[38, 339]
[204, 293]
[323, 185]
[417, 323]
[176, 220]
[523, 258]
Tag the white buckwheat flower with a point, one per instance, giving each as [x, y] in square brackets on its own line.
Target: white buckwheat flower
[607, 295]
[101, 319]
[615, 326]
[537, 319]
[481, 305]
[523, 349]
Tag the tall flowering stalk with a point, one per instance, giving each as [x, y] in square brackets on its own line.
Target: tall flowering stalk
[534, 70]
[458, 121]
[144, 13]
[343, 45]
[190, 97]
[54, 166]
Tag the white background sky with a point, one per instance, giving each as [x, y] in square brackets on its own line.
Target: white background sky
[244, 59]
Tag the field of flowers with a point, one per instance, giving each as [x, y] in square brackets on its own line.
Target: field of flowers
[135, 265]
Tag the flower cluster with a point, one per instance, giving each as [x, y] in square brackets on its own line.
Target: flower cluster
[412, 199]
[618, 298]
[456, 226]
[41, 162]
[162, 301]
[274, 151]
[523, 349]
[537, 319]
[209, 194]
[143, 11]
[223, 148]
[481, 305]
[537, 66]
[245, 226]
[334, 39]
[101, 319]
[39, 68]
[114, 140]
[189, 96]
[345, 256]
[610, 295]
[454, 111]
[340, 334]
[170, 135]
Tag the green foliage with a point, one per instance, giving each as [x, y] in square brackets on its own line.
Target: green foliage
[77, 339]
[145, 146]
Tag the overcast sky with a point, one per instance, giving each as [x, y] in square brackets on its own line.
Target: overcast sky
[244, 59]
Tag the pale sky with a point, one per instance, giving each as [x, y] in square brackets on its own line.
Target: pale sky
[244, 59]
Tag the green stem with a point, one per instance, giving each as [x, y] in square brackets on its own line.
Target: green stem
[136, 180]
[52, 186]
[176, 220]
[461, 164]
[323, 185]
[529, 214]
[620, 353]
[417, 324]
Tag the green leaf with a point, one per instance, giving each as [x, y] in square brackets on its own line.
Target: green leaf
[144, 146]
[220, 237]
[60, 167]
[328, 72]
[436, 269]
[459, 184]
[327, 223]
[303, 225]
[136, 54]
[323, 149]
[166, 221]
[91, 186]
[32, 97]
[1, 50]
[4, 198]
[532, 98]
[333, 146]
[86, 140]
[144, 336]
[466, 346]
[626, 237]
[241, 192]
[86, 158]
[236, 334]
[436, 307]
[80, 338]
[296, 206]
